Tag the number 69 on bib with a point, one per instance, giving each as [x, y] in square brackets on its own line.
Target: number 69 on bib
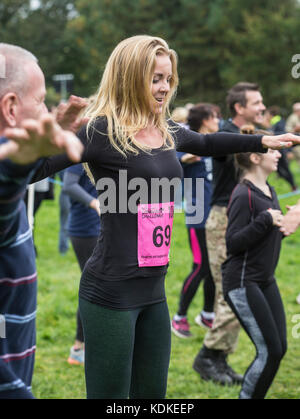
[155, 222]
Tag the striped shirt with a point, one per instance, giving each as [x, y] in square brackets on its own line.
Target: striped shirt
[18, 281]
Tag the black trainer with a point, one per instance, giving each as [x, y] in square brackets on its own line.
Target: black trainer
[236, 378]
[207, 364]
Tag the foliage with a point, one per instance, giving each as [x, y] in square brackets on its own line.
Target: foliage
[219, 42]
[40, 30]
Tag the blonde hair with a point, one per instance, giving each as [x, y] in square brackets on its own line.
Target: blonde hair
[180, 114]
[124, 95]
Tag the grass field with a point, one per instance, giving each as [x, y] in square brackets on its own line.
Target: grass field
[59, 278]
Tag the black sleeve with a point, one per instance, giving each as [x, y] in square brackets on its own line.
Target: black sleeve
[94, 146]
[218, 144]
[51, 165]
[243, 233]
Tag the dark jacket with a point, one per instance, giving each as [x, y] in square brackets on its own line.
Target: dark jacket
[224, 173]
[253, 243]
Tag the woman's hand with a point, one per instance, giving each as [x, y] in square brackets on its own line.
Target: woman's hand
[278, 142]
[291, 221]
[42, 138]
[95, 204]
[68, 115]
[276, 216]
[189, 158]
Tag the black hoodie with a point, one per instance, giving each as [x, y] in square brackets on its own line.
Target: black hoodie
[253, 243]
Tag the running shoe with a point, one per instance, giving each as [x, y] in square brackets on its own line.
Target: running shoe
[76, 356]
[181, 328]
[298, 299]
[203, 321]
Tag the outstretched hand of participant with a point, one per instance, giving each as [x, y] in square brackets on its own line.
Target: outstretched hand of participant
[279, 142]
[36, 139]
[291, 221]
[95, 205]
[190, 158]
[68, 115]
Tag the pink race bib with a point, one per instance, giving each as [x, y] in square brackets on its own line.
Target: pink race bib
[155, 222]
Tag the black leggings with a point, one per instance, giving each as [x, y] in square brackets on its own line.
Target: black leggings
[261, 313]
[200, 271]
[83, 248]
[284, 169]
[127, 353]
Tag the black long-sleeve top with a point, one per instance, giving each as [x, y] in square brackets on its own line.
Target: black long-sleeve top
[225, 176]
[253, 242]
[115, 255]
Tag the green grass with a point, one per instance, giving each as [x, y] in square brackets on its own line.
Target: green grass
[59, 278]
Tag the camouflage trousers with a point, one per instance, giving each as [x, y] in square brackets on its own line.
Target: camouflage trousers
[225, 331]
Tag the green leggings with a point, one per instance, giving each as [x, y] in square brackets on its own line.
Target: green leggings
[127, 353]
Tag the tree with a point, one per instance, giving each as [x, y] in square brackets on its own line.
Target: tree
[258, 47]
[10, 12]
[219, 42]
[101, 24]
[40, 30]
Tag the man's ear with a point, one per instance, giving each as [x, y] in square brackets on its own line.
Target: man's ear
[239, 109]
[8, 107]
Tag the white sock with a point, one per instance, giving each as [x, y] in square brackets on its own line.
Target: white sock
[208, 315]
[177, 318]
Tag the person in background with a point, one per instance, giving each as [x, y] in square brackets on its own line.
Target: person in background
[180, 115]
[290, 223]
[293, 125]
[274, 122]
[246, 106]
[64, 210]
[222, 121]
[201, 118]
[253, 241]
[83, 230]
[293, 121]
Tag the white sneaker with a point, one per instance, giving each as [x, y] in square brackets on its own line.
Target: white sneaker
[76, 357]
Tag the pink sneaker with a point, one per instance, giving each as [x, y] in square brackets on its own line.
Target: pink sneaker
[203, 321]
[181, 328]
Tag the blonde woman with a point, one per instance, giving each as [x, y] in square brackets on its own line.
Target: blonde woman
[129, 142]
